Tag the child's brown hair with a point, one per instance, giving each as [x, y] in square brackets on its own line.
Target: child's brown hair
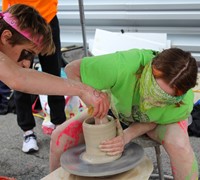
[29, 20]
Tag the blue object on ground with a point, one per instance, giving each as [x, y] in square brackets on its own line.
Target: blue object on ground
[198, 102]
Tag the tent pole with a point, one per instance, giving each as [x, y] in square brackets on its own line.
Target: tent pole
[82, 20]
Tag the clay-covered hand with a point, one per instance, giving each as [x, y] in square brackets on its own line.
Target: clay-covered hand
[96, 99]
[113, 146]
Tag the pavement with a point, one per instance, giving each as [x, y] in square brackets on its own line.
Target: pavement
[15, 163]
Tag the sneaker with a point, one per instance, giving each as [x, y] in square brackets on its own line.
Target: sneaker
[47, 126]
[30, 142]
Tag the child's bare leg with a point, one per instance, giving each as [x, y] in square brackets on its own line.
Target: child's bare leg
[175, 140]
[65, 136]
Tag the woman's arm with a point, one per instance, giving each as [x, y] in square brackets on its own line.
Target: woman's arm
[137, 129]
[116, 145]
[73, 70]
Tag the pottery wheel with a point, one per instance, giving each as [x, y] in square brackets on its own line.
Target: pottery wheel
[72, 162]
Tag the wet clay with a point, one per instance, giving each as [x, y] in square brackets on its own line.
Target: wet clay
[94, 134]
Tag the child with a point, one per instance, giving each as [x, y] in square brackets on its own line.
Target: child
[23, 35]
[49, 64]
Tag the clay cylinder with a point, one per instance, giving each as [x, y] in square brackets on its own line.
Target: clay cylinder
[94, 134]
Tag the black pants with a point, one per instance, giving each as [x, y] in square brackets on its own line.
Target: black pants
[5, 92]
[50, 64]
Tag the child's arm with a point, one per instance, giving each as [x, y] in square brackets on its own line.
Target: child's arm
[34, 82]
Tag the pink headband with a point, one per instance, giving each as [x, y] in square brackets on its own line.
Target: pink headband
[13, 22]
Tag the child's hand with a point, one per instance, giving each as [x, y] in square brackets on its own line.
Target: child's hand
[101, 121]
[97, 101]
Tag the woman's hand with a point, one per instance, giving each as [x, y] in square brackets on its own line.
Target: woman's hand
[113, 146]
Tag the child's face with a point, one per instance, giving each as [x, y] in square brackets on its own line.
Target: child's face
[23, 55]
[26, 58]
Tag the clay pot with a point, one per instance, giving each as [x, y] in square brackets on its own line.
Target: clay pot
[94, 134]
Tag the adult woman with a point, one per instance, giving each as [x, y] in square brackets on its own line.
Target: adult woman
[151, 93]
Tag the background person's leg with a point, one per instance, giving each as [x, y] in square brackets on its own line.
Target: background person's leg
[51, 64]
[26, 120]
[5, 93]
[175, 140]
[25, 117]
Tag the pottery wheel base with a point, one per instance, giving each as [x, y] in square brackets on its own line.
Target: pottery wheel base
[72, 162]
[97, 159]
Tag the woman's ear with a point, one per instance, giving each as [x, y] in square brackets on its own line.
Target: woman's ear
[5, 36]
[156, 73]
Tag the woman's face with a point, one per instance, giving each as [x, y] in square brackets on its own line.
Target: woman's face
[165, 87]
